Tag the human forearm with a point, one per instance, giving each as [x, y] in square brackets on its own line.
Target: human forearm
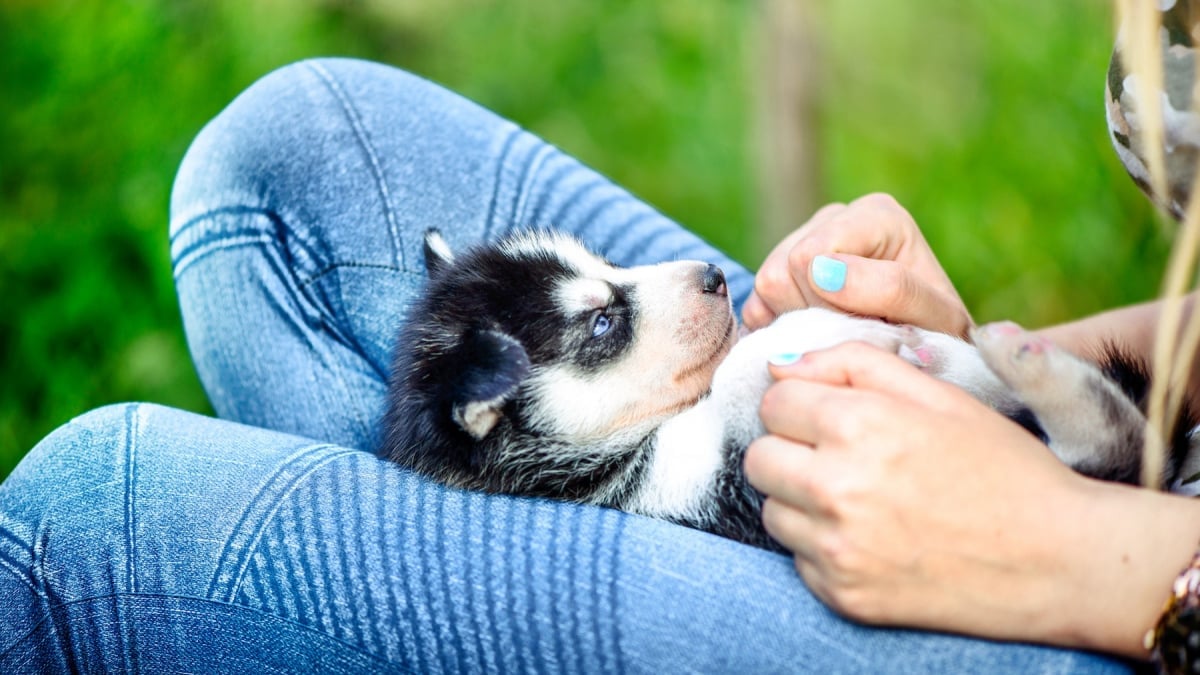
[1119, 562]
[1131, 328]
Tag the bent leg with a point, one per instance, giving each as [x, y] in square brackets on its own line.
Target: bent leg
[297, 224]
[142, 538]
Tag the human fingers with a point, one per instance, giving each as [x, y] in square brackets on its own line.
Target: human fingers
[784, 469]
[870, 258]
[827, 390]
[891, 290]
[775, 288]
[858, 365]
[808, 412]
[793, 527]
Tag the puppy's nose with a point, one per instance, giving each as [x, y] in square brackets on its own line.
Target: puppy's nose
[714, 280]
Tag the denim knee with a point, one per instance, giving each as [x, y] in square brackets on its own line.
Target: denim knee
[307, 146]
[65, 504]
[77, 457]
[61, 524]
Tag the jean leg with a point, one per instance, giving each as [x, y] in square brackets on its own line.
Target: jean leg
[297, 223]
[142, 538]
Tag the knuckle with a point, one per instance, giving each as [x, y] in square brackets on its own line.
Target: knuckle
[868, 413]
[847, 428]
[825, 413]
[815, 491]
[843, 596]
[827, 210]
[774, 518]
[775, 401]
[756, 461]
[772, 282]
[881, 201]
[831, 548]
[855, 603]
[897, 291]
[843, 496]
[798, 257]
[845, 588]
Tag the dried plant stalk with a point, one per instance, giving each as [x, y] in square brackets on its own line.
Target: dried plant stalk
[1174, 350]
[1173, 353]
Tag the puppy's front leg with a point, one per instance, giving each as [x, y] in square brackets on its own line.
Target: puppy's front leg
[1089, 422]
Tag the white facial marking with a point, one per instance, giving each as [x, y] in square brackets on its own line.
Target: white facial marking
[679, 336]
[583, 295]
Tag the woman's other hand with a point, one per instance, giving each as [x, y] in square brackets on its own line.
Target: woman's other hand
[907, 502]
[867, 257]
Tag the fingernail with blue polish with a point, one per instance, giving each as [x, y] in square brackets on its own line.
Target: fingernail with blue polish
[828, 274]
[784, 359]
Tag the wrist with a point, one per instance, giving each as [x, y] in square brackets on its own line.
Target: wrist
[1128, 547]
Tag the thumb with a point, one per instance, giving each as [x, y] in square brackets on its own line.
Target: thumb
[888, 290]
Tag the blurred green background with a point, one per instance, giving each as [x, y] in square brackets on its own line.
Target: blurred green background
[984, 118]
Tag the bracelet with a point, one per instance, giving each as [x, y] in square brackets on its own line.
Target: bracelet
[1174, 642]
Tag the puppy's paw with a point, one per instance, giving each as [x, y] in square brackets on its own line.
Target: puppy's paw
[1090, 424]
[1024, 360]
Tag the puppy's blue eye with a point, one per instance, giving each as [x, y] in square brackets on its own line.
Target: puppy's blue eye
[600, 324]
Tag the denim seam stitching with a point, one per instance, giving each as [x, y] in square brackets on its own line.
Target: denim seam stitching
[532, 167]
[243, 559]
[360, 134]
[7, 564]
[614, 594]
[49, 598]
[129, 651]
[7, 561]
[505, 150]
[173, 596]
[195, 251]
[131, 431]
[272, 215]
[631, 225]
[332, 267]
[550, 182]
[598, 206]
[233, 210]
[587, 191]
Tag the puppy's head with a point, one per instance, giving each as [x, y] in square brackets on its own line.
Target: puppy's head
[534, 342]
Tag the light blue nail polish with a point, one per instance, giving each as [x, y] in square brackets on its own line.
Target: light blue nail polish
[828, 274]
[784, 359]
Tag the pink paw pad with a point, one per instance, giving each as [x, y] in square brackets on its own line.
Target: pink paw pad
[924, 355]
[1037, 345]
[1006, 328]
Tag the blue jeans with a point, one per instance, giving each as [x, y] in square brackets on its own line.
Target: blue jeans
[138, 537]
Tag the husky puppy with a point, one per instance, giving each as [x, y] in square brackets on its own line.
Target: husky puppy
[533, 367]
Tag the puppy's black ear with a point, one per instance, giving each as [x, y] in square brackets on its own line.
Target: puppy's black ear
[495, 365]
[438, 255]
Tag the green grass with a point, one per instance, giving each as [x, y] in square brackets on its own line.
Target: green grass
[985, 118]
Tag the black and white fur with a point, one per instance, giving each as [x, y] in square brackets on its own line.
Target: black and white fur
[533, 367]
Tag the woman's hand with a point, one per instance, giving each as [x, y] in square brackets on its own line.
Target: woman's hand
[868, 258]
[907, 502]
